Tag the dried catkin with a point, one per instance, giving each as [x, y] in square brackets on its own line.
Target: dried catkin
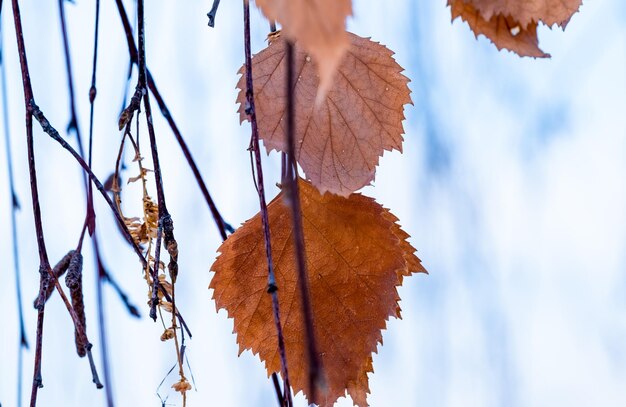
[74, 281]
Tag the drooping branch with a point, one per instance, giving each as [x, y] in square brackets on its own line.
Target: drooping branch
[102, 274]
[259, 184]
[223, 226]
[48, 129]
[46, 274]
[90, 217]
[165, 227]
[164, 216]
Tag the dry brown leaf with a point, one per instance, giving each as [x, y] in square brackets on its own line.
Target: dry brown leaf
[142, 176]
[339, 143]
[319, 26]
[182, 386]
[526, 12]
[168, 334]
[356, 257]
[504, 32]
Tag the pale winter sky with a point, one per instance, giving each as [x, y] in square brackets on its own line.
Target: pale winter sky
[512, 185]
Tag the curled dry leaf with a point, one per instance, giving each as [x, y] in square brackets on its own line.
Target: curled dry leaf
[356, 257]
[168, 334]
[512, 24]
[339, 143]
[165, 306]
[142, 175]
[319, 26]
[166, 285]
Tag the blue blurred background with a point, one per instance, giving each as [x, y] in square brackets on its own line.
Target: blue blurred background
[512, 185]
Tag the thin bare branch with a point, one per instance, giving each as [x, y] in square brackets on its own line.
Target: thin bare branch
[272, 288]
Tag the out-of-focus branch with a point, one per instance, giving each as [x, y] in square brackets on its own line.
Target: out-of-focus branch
[316, 377]
[211, 14]
[15, 206]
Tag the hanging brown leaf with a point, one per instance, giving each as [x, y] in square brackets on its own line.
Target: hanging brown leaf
[512, 24]
[504, 32]
[356, 257]
[319, 26]
[339, 143]
[526, 12]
